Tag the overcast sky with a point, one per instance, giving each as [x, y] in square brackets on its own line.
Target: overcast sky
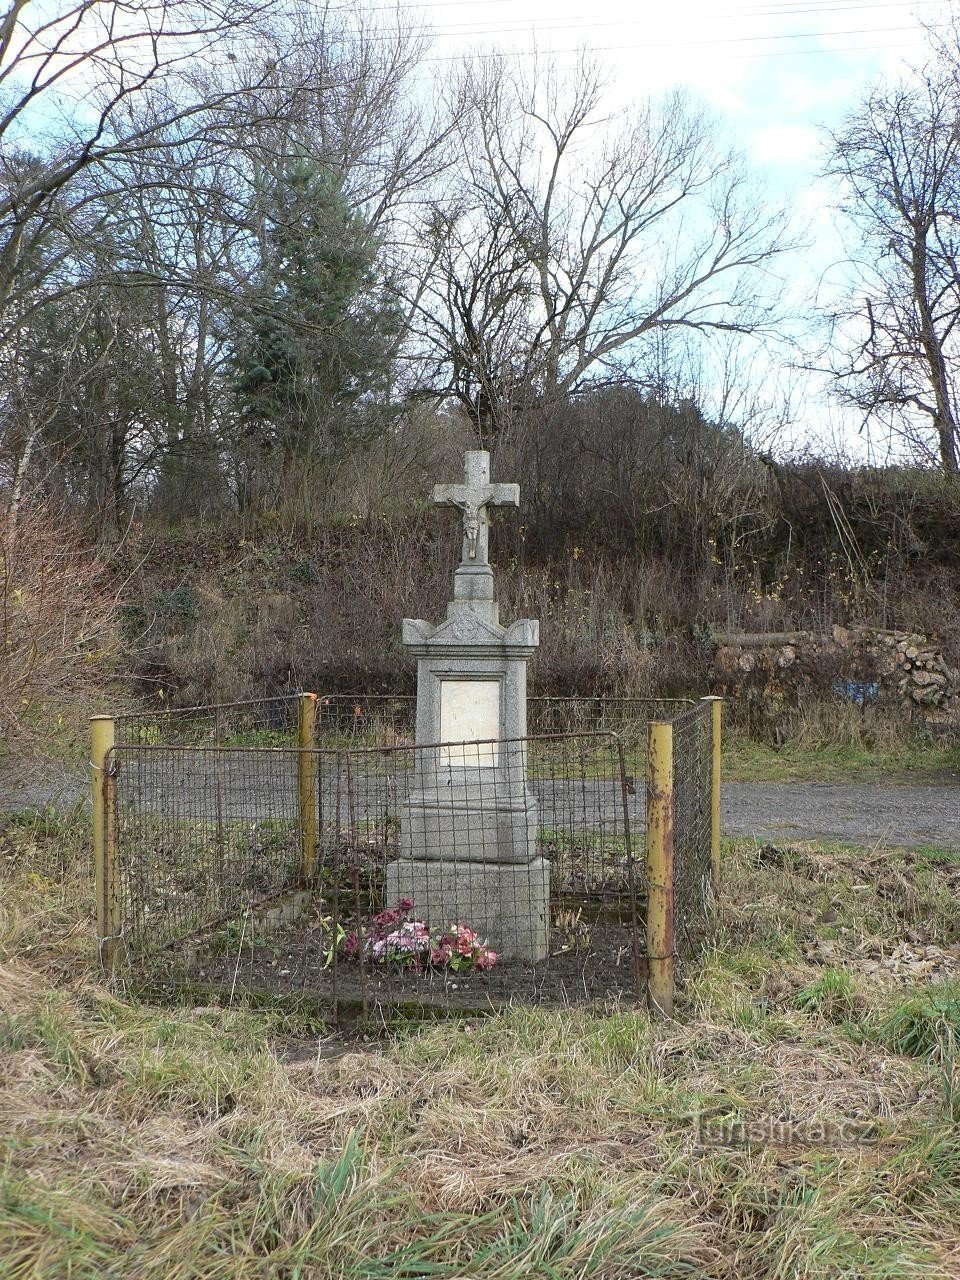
[778, 72]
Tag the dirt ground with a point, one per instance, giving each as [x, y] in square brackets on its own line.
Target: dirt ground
[587, 961]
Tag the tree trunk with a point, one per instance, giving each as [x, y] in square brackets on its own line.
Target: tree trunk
[16, 496]
[945, 421]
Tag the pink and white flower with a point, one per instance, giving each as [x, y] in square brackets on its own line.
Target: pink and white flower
[391, 936]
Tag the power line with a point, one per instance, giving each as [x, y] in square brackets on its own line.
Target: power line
[520, 26]
[802, 9]
[766, 8]
[572, 26]
[617, 48]
[724, 40]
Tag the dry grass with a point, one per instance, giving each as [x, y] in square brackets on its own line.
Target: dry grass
[826, 740]
[58, 623]
[772, 1131]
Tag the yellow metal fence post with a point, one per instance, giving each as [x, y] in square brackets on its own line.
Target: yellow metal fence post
[660, 898]
[307, 784]
[716, 745]
[103, 796]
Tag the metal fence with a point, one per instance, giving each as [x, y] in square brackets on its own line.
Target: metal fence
[255, 722]
[423, 877]
[375, 876]
[692, 731]
[376, 720]
[390, 719]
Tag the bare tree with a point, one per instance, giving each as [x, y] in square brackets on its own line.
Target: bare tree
[166, 125]
[68, 75]
[895, 343]
[571, 237]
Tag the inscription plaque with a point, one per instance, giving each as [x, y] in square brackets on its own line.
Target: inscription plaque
[469, 712]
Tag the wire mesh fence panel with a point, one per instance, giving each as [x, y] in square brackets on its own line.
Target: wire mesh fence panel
[626, 717]
[692, 773]
[473, 887]
[204, 836]
[360, 720]
[450, 876]
[255, 722]
[373, 874]
[351, 720]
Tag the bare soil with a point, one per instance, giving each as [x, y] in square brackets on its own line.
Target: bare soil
[588, 962]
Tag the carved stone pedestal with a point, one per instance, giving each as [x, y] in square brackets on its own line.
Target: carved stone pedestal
[508, 905]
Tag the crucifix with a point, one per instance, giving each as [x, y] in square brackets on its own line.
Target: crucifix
[469, 827]
[473, 498]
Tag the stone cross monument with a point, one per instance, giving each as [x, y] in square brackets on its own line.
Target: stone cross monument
[473, 581]
[468, 829]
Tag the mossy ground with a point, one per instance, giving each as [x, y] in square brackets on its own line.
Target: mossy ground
[797, 1119]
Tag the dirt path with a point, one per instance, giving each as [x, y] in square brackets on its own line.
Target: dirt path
[853, 813]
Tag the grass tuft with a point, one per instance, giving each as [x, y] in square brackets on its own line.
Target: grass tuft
[833, 995]
[924, 1023]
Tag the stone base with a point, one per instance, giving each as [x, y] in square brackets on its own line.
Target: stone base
[507, 904]
[496, 824]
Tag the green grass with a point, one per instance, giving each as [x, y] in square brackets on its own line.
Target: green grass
[919, 761]
[925, 1024]
[832, 995]
[799, 1118]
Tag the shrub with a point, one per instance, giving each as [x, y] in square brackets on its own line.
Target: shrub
[58, 616]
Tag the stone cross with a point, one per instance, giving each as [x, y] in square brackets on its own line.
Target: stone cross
[473, 498]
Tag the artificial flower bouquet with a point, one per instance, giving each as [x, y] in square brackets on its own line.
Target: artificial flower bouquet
[395, 936]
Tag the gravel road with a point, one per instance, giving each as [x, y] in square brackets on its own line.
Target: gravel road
[854, 813]
[851, 813]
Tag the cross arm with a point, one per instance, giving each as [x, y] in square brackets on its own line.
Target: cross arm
[450, 495]
[504, 495]
[488, 495]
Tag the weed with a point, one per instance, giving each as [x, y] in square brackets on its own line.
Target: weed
[925, 1023]
[225, 1144]
[832, 995]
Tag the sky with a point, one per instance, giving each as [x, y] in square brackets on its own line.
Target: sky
[778, 72]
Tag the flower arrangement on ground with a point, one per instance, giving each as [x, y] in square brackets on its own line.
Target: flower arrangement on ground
[395, 936]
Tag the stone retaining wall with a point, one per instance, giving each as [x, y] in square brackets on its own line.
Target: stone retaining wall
[861, 664]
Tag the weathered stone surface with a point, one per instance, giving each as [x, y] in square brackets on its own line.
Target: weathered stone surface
[468, 830]
[509, 905]
[479, 825]
[282, 912]
[472, 499]
[904, 665]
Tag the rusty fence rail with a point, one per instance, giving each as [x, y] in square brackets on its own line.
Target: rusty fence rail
[226, 867]
[252, 722]
[387, 719]
[380, 719]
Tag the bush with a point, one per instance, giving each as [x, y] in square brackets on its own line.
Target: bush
[58, 616]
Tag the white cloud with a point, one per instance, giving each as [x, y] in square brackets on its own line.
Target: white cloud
[785, 145]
